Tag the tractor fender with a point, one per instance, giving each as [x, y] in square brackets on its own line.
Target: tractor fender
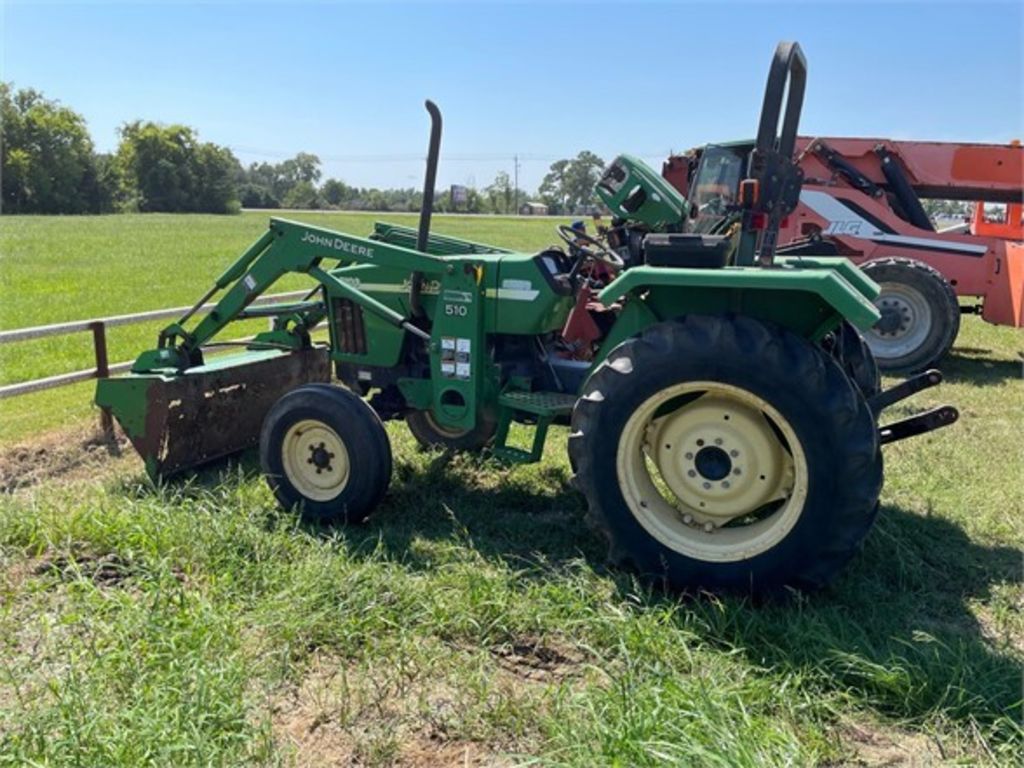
[807, 295]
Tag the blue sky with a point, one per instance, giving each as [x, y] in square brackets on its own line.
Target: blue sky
[544, 80]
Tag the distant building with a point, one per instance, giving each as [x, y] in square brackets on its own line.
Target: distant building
[533, 209]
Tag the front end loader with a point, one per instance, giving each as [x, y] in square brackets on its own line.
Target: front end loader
[722, 407]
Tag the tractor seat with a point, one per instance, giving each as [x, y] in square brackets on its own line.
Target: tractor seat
[687, 250]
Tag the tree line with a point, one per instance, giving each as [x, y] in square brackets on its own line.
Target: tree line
[49, 165]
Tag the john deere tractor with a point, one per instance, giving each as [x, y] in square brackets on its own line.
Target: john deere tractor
[721, 406]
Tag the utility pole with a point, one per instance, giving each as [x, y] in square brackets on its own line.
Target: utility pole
[515, 162]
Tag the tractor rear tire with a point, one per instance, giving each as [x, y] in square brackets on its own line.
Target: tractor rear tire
[727, 454]
[920, 315]
[430, 434]
[849, 348]
[325, 451]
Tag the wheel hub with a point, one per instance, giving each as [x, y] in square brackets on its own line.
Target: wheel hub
[905, 323]
[712, 463]
[719, 458]
[315, 460]
[712, 471]
[320, 457]
[897, 316]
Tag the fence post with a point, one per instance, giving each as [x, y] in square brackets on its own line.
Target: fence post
[99, 343]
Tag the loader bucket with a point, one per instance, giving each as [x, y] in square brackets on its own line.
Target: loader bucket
[177, 421]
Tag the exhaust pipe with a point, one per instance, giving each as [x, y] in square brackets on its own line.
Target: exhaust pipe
[427, 207]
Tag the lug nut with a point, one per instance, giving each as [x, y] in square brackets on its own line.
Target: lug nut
[689, 455]
[718, 441]
[725, 483]
[734, 453]
[707, 486]
[687, 519]
[708, 527]
[691, 473]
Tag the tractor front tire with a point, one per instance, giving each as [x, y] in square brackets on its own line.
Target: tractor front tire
[430, 434]
[723, 453]
[324, 451]
[920, 315]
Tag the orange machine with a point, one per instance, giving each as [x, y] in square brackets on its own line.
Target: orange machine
[861, 198]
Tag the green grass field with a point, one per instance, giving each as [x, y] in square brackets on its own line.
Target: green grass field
[472, 621]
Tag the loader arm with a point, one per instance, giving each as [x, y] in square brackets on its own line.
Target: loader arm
[286, 247]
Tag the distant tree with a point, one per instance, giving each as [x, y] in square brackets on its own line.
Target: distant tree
[46, 157]
[335, 192]
[277, 180]
[215, 173]
[570, 184]
[101, 186]
[499, 193]
[255, 196]
[302, 195]
[166, 168]
[552, 188]
[263, 176]
[581, 177]
[303, 167]
[375, 200]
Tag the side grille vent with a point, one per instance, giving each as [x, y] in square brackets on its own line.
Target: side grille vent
[349, 330]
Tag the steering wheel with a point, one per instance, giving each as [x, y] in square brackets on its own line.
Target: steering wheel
[593, 248]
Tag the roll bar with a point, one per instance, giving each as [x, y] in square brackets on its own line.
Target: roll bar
[788, 65]
[772, 188]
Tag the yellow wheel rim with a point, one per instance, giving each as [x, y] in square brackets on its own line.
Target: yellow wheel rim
[315, 460]
[712, 471]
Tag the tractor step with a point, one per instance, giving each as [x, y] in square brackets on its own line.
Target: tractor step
[545, 406]
[538, 403]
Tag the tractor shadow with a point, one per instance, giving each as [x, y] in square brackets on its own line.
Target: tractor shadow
[528, 517]
[896, 627]
[972, 365]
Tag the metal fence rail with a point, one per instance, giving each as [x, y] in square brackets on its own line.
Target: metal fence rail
[98, 328]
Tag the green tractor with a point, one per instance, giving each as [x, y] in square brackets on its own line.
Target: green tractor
[721, 406]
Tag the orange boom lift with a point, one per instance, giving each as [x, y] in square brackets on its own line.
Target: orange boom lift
[861, 198]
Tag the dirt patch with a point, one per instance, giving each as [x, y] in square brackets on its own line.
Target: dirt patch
[106, 570]
[537, 660]
[103, 570]
[340, 715]
[424, 753]
[72, 454]
[877, 746]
